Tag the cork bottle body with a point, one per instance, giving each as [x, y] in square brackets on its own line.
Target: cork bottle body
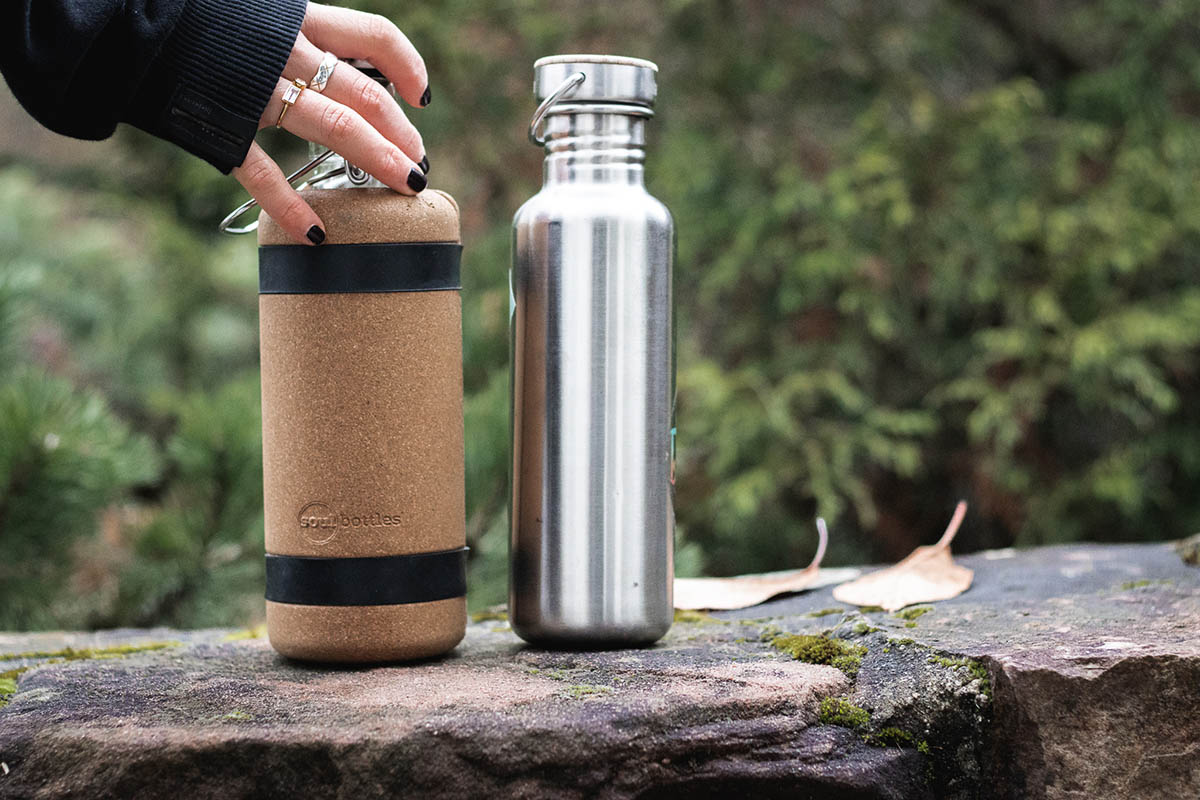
[362, 433]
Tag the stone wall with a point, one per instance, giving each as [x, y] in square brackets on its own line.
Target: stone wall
[1063, 672]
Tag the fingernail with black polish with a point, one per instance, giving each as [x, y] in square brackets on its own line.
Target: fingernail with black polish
[416, 181]
[424, 163]
[425, 97]
[316, 235]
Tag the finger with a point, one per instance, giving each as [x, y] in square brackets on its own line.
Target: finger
[350, 87]
[354, 34]
[342, 129]
[266, 183]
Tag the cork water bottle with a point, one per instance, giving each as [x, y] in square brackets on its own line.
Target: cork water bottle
[361, 342]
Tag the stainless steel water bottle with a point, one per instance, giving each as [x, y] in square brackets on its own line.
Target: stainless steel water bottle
[593, 378]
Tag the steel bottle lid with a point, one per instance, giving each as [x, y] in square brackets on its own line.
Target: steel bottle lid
[607, 79]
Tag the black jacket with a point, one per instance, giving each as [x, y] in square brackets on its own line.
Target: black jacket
[195, 72]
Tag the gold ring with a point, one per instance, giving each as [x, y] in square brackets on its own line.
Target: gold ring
[290, 95]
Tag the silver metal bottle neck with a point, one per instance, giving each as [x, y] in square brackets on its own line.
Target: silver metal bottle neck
[336, 173]
[595, 148]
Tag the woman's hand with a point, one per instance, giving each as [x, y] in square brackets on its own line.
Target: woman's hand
[355, 116]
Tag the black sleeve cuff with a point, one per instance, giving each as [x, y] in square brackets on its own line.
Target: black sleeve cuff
[208, 87]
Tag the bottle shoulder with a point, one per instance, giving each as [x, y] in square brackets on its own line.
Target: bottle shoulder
[554, 203]
[355, 216]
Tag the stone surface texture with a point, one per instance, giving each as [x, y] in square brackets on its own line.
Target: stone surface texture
[1064, 672]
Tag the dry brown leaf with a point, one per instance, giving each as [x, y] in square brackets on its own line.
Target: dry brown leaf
[927, 574]
[743, 591]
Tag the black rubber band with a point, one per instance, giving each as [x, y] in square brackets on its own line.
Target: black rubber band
[372, 581]
[342, 268]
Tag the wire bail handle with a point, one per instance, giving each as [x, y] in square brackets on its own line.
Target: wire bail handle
[225, 224]
[565, 88]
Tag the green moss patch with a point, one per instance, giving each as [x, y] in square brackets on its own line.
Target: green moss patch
[257, 632]
[813, 649]
[841, 712]
[78, 654]
[1127, 585]
[689, 616]
[891, 737]
[913, 613]
[974, 668]
[8, 683]
[581, 691]
[490, 615]
[824, 612]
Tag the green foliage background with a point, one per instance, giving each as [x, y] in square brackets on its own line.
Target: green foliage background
[927, 250]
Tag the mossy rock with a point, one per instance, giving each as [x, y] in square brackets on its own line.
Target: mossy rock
[822, 649]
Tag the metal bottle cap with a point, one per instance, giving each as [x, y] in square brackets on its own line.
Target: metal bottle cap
[607, 79]
[591, 84]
